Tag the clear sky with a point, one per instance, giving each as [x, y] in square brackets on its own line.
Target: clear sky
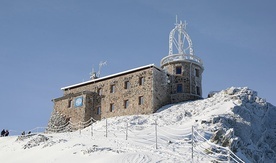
[46, 45]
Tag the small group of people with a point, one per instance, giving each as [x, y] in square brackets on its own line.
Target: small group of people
[23, 133]
[4, 133]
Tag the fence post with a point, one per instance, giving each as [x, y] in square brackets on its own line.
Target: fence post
[228, 153]
[192, 143]
[156, 134]
[92, 129]
[126, 130]
[80, 128]
[106, 127]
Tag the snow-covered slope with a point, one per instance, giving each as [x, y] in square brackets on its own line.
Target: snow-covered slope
[236, 118]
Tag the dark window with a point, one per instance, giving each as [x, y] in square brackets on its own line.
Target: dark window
[127, 84]
[98, 110]
[112, 89]
[197, 90]
[179, 88]
[141, 100]
[100, 91]
[112, 107]
[69, 103]
[141, 81]
[197, 72]
[126, 104]
[178, 70]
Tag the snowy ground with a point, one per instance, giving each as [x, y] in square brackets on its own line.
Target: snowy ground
[137, 138]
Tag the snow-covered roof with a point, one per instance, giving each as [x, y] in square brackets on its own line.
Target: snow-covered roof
[110, 76]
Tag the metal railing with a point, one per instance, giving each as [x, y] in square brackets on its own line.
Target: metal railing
[155, 137]
[181, 57]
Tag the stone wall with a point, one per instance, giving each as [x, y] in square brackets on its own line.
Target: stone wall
[161, 89]
[65, 106]
[92, 99]
[137, 97]
[131, 94]
[187, 78]
[57, 120]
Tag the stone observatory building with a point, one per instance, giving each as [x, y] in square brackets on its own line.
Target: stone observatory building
[141, 90]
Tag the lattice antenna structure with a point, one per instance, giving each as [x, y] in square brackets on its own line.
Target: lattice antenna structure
[93, 74]
[101, 64]
[179, 40]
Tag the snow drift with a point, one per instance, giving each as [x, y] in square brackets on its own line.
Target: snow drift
[236, 118]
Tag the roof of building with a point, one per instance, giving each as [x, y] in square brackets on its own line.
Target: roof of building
[110, 76]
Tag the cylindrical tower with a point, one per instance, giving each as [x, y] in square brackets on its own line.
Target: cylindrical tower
[184, 68]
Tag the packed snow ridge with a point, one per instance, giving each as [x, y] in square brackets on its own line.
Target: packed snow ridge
[235, 118]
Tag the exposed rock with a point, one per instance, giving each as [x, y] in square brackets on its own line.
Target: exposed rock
[250, 128]
[24, 137]
[36, 141]
[58, 123]
[217, 136]
[231, 91]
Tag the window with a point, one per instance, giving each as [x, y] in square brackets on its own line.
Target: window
[178, 70]
[69, 103]
[141, 80]
[99, 91]
[112, 107]
[126, 104]
[127, 84]
[179, 88]
[98, 110]
[141, 100]
[197, 72]
[112, 89]
[197, 90]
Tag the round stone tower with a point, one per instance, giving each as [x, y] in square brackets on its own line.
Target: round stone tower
[184, 68]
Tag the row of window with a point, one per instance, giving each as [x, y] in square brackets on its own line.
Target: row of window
[126, 105]
[178, 70]
[126, 86]
[112, 106]
[179, 89]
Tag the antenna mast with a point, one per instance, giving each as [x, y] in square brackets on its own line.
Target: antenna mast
[95, 75]
[100, 66]
[179, 40]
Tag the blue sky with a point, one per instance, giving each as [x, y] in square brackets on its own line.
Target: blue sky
[46, 45]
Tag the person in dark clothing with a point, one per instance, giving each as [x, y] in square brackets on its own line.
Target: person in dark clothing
[3, 132]
[7, 133]
[23, 133]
